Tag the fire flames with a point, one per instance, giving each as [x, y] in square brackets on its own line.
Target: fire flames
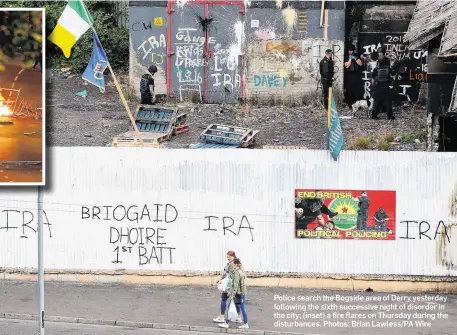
[4, 111]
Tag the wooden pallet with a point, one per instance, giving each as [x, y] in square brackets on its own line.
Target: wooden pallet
[283, 147]
[181, 119]
[130, 139]
[155, 127]
[155, 119]
[146, 112]
[222, 134]
[180, 129]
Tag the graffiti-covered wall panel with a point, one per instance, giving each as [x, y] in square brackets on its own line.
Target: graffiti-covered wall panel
[148, 44]
[283, 55]
[289, 69]
[410, 65]
[188, 42]
[227, 31]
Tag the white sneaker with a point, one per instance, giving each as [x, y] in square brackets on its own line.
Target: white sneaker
[223, 325]
[245, 326]
[239, 320]
[219, 319]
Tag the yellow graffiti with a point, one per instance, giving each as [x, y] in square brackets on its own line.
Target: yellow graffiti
[290, 17]
[282, 73]
[284, 47]
[279, 4]
[158, 21]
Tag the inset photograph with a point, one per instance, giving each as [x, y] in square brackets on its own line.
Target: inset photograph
[22, 144]
[345, 214]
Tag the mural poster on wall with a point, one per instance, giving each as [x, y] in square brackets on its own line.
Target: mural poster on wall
[345, 214]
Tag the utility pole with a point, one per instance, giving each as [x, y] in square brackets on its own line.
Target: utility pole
[40, 263]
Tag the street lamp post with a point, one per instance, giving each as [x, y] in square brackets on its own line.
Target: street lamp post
[40, 263]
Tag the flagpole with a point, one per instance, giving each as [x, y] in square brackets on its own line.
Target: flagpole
[329, 109]
[119, 90]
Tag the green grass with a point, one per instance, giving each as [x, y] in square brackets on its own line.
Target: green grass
[361, 143]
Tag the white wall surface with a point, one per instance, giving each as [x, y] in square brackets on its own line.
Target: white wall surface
[259, 184]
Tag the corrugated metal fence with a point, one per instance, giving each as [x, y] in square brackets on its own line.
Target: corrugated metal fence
[190, 195]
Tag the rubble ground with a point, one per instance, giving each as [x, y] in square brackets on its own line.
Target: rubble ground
[96, 119]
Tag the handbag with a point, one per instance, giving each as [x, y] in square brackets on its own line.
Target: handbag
[224, 285]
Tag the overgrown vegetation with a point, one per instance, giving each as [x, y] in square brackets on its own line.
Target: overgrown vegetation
[361, 143]
[411, 137]
[384, 141]
[115, 40]
[20, 37]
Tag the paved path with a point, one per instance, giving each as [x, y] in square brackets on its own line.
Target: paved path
[197, 305]
[22, 327]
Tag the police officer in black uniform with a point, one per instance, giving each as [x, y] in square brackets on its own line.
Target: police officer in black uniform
[353, 76]
[381, 218]
[381, 82]
[362, 213]
[326, 69]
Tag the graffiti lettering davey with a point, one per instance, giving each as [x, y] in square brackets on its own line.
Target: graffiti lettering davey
[270, 80]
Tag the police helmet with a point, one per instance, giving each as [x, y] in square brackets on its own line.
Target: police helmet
[152, 69]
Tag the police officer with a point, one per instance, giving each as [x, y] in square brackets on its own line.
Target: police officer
[362, 213]
[381, 82]
[380, 218]
[353, 67]
[326, 70]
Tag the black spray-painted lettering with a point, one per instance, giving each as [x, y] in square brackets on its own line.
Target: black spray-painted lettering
[149, 242]
[227, 224]
[26, 220]
[422, 228]
[157, 213]
[146, 256]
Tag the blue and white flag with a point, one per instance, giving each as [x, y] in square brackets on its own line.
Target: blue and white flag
[97, 66]
[335, 139]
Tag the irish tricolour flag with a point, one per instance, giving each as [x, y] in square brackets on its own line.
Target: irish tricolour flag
[73, 23]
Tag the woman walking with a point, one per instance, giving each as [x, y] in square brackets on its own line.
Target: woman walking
[229, 272]
[237, 294]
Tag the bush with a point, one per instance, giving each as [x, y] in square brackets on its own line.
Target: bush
[115, 40]
[20, 36]
[361, 143]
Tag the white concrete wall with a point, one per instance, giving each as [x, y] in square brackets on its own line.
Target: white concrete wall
[256, 183]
